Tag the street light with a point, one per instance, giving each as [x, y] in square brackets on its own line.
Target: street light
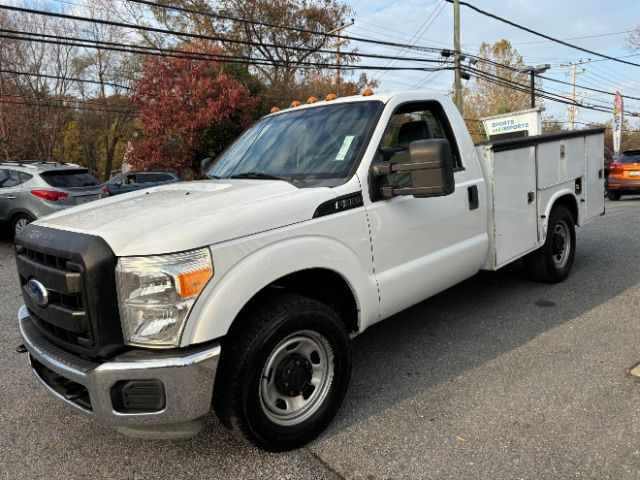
[533, 71]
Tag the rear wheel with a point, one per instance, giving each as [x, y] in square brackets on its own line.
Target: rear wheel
[284, 372]
[614, 195]
[19, 222]
[552, 262]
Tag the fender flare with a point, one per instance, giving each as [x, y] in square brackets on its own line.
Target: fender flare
[551, 203]
[222, 300]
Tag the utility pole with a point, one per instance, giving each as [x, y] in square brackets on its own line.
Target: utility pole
[456, 48]
[573, 108]
[533, 71]
[337, 46]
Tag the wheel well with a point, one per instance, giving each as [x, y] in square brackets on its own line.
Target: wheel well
[19, 213]
[568, 201]
[323, 285]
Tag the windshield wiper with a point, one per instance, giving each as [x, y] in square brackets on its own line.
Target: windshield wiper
[260, 176]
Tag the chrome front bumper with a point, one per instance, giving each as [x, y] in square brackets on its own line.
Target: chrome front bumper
[187, 380]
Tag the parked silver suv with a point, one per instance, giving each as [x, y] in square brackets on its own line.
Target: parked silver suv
[30, 190]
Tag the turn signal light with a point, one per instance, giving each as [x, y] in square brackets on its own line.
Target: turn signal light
[51, 195]
[191, 283]
[331, 96]
[105, 192]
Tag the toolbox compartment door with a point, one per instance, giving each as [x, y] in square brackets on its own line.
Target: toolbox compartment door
[594, 178]
[515, 211]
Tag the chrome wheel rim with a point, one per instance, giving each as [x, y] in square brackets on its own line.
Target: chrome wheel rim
[561, 244]
[20, 224]
[297, 378]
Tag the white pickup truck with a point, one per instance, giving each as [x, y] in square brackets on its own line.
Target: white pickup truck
[242, 292]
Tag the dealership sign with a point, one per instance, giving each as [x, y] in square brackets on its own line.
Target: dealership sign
[515, 124]
[618, 109]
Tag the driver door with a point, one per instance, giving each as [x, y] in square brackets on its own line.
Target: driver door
[424, 245]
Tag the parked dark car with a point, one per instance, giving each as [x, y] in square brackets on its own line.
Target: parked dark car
[128, 182]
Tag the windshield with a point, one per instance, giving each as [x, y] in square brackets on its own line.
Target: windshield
[629, 158]
[309, 147]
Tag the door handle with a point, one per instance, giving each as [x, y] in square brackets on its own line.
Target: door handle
[474, 201]
[8, 197]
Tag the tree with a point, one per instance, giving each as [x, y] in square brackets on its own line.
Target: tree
[282, 66]
[180, 100]
[114, 72]
[40, 105]
[484, 95]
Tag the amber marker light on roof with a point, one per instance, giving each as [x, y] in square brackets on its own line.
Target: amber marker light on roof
[274, 109]
[312, 100]
[331, 96]
[366, 92]
[295, 103]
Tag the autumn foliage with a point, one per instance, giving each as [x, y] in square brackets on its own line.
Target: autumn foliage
[179, 99]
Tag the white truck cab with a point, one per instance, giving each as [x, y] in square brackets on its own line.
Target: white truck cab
[243, 291]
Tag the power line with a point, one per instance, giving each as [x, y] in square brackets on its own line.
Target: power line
[541, 93]
[63, 78]
[274, 25]
[431, 18]
[539, 34]
[222, 58]
[592, 89]
[216, 38]
[509, 67]
[193, 35]
[68, 107]
[578, 38]
[67, 100]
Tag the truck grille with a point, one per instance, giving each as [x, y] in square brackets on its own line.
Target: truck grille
[77, 271]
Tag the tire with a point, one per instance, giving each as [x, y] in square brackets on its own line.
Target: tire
[19, 222]
[613, 195]
[552, 262]
[283, 342]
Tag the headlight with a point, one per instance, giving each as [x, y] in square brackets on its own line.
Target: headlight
[156, 293]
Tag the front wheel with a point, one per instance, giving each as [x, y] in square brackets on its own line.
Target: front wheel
[284, 371]
[19, 222]
[552, 262]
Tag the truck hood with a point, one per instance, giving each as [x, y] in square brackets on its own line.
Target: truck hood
[189, 215]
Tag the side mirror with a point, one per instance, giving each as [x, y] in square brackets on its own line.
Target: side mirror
[430, 167]
[119, 183]
[205, 164]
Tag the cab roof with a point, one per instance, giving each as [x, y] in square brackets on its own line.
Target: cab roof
[40, 165]
[381, 97]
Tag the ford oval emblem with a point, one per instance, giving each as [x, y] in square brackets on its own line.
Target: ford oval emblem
[38, 292]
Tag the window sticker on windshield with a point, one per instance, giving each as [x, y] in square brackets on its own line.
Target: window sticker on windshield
[342, 153]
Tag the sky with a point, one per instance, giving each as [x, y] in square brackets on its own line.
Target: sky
[398, 21]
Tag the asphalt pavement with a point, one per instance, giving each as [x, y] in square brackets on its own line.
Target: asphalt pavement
[496, 378]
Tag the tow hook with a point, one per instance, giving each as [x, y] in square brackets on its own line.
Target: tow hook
[21, 348]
